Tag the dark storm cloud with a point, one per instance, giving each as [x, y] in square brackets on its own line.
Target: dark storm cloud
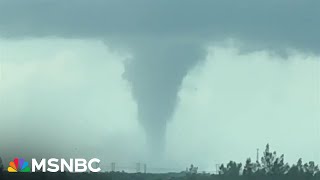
[291, 23]
[166, 37]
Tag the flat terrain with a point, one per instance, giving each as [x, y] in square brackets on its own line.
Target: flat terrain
[140, 176]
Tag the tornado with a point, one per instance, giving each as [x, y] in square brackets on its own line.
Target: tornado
[155, 73]
[166, 38]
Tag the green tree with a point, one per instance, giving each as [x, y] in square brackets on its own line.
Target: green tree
[232, 169]
[273, 165]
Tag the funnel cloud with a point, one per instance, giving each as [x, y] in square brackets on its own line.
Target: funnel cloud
[156, 73]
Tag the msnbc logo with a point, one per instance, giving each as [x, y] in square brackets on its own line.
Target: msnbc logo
[77, 165]
[18, 165]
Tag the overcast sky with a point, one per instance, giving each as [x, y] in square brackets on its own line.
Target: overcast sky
[165, 82]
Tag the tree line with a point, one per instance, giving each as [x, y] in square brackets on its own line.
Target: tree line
[270, 165]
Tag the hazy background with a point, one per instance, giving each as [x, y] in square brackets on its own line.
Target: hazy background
[167, 83]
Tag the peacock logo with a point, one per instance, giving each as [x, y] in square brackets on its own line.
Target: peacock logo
[18, 165]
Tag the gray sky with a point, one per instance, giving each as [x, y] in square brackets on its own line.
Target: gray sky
[183, 80]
